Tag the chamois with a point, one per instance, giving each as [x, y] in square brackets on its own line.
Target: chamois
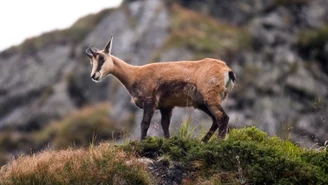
[203, 84]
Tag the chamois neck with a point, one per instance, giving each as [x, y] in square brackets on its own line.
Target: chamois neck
[124, 72]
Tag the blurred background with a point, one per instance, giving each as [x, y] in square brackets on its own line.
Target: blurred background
[278, 50]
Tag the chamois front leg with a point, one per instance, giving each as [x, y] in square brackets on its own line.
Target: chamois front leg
[149, 109]
[165, 121]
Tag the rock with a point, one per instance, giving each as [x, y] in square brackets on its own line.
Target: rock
[227, 10]
[303, 81]
[167, 174]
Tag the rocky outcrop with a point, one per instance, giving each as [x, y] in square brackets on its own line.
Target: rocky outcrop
[287, 85]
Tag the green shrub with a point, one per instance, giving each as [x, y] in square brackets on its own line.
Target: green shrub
[317, 158]
[247, 155]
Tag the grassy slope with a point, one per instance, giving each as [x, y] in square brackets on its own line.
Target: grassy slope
[247, 156]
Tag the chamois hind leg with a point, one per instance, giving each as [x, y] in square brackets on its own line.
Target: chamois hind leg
[149, 109]
[221, 118]
[214, 126]
[165, 121]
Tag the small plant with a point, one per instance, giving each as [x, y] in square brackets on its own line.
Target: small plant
[185, 131]
[319, 105]
[165, 160]
[240, 171]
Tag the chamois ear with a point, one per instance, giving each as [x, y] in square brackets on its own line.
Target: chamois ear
[108, 47]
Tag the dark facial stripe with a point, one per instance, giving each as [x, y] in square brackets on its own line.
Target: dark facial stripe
[101, 61]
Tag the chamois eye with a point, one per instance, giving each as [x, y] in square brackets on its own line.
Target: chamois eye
[101, 58]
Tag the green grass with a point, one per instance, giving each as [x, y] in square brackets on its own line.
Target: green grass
[185, 130]
[246, 156]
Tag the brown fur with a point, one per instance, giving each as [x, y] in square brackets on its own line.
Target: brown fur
[165, 85]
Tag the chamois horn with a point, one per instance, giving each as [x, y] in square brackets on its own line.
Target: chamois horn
[90, 52]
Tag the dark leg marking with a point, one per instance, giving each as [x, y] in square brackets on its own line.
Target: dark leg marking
[221, 118]
[149, 110]
[214, 126]
[165, 121]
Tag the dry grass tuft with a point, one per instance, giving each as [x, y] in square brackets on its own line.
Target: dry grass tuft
[104, 164]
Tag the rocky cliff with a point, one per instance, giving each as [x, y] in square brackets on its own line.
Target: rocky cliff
[278, 49]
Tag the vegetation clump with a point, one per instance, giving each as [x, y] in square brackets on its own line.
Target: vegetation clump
[104, 164]
[247, 156]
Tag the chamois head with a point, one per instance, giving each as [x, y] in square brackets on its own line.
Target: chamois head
[101, 61]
